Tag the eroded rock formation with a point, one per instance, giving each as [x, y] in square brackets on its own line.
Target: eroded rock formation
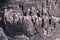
[30, 20]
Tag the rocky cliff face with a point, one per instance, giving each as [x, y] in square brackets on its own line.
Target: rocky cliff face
[30, 20]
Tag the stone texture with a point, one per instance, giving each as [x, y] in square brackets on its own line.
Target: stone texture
[30, 20]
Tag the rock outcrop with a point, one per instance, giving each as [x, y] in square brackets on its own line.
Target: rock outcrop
[29, 20]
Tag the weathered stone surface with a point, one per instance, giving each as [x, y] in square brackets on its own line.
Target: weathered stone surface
[2, 35]
[30, 20]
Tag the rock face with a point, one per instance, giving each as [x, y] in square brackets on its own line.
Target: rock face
[2, 35]
[30, 20]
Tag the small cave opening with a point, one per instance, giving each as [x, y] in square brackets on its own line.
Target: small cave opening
[42, 23]
[38, 13]
[49, 21]
[30, 13]
[59, 22]
[25, 14]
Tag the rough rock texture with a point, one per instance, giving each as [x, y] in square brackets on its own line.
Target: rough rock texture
[30, 20]
[2, 35]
